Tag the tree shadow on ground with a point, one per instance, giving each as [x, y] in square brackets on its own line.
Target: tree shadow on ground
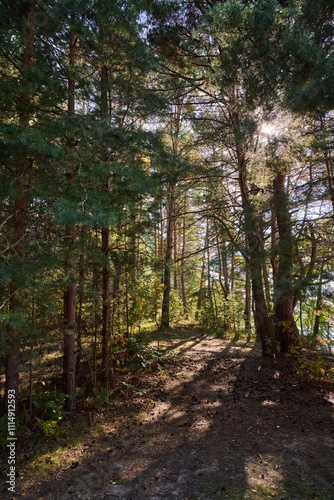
[228, 424]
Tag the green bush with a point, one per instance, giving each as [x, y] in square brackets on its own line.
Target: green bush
[50, 428]
[50, 405]
[99, 398]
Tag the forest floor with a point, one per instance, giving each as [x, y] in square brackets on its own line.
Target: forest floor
[217, 421]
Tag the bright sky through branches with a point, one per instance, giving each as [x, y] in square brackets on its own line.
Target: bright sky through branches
[269, 129]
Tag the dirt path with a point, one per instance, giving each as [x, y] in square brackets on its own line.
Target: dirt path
[221, 424]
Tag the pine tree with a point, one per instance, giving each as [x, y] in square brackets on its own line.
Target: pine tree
[19, 170]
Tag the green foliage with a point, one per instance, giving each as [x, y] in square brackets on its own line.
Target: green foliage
[50, 428]
[13, 320]
[222, 315]
[132, 354]
[208, 318]
[310, 370]
[146, 293]
[49, 411]
[106, 168]
[49, 404]
[99, 398]
[176, 306]
[135, 390]
[141, 356]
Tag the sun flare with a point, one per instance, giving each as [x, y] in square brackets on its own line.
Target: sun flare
[268, 129]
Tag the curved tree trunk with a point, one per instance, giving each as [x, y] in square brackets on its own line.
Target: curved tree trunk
[285, 325]
[263, 324]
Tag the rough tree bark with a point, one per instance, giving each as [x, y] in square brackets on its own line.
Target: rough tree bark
[175, 249]
[80, 309]
[183, 253]
[106, 283]
[318, 305]
[69, 367]
[262, 321]
[247, 311]
[285, 325]
[168, 261]
[224, 286]
[273, 255]
[171, 223]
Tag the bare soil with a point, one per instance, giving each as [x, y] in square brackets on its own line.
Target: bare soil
[220, 422]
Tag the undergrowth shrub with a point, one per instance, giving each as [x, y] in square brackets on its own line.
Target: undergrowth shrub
[49, 411]
[50, 405]
[318, 371]
[99, 398]
[132, 354]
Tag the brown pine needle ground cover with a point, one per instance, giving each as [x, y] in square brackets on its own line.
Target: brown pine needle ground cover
[219, 422]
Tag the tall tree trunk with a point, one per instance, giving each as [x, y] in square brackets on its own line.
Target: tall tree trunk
[106, 308]
[156, 269]
[330, 174]
[175, 145]
[168, 261]
[208, 268]
[247, 311]
[106, 285]
[232, 270]
[115, 301]
[81, 302]
[318, 305]
[273, 254]
[69, 343]
[175, 249]
[286, 328]
[265, 269]
[201, 287]
[262, 321]
[225, 269]
[329, 168]
[161, 246]
[266, 283]
[263, 325]
[70, 291]
[96, 315]
[220, 279]
[19, 223]
[183, 253]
